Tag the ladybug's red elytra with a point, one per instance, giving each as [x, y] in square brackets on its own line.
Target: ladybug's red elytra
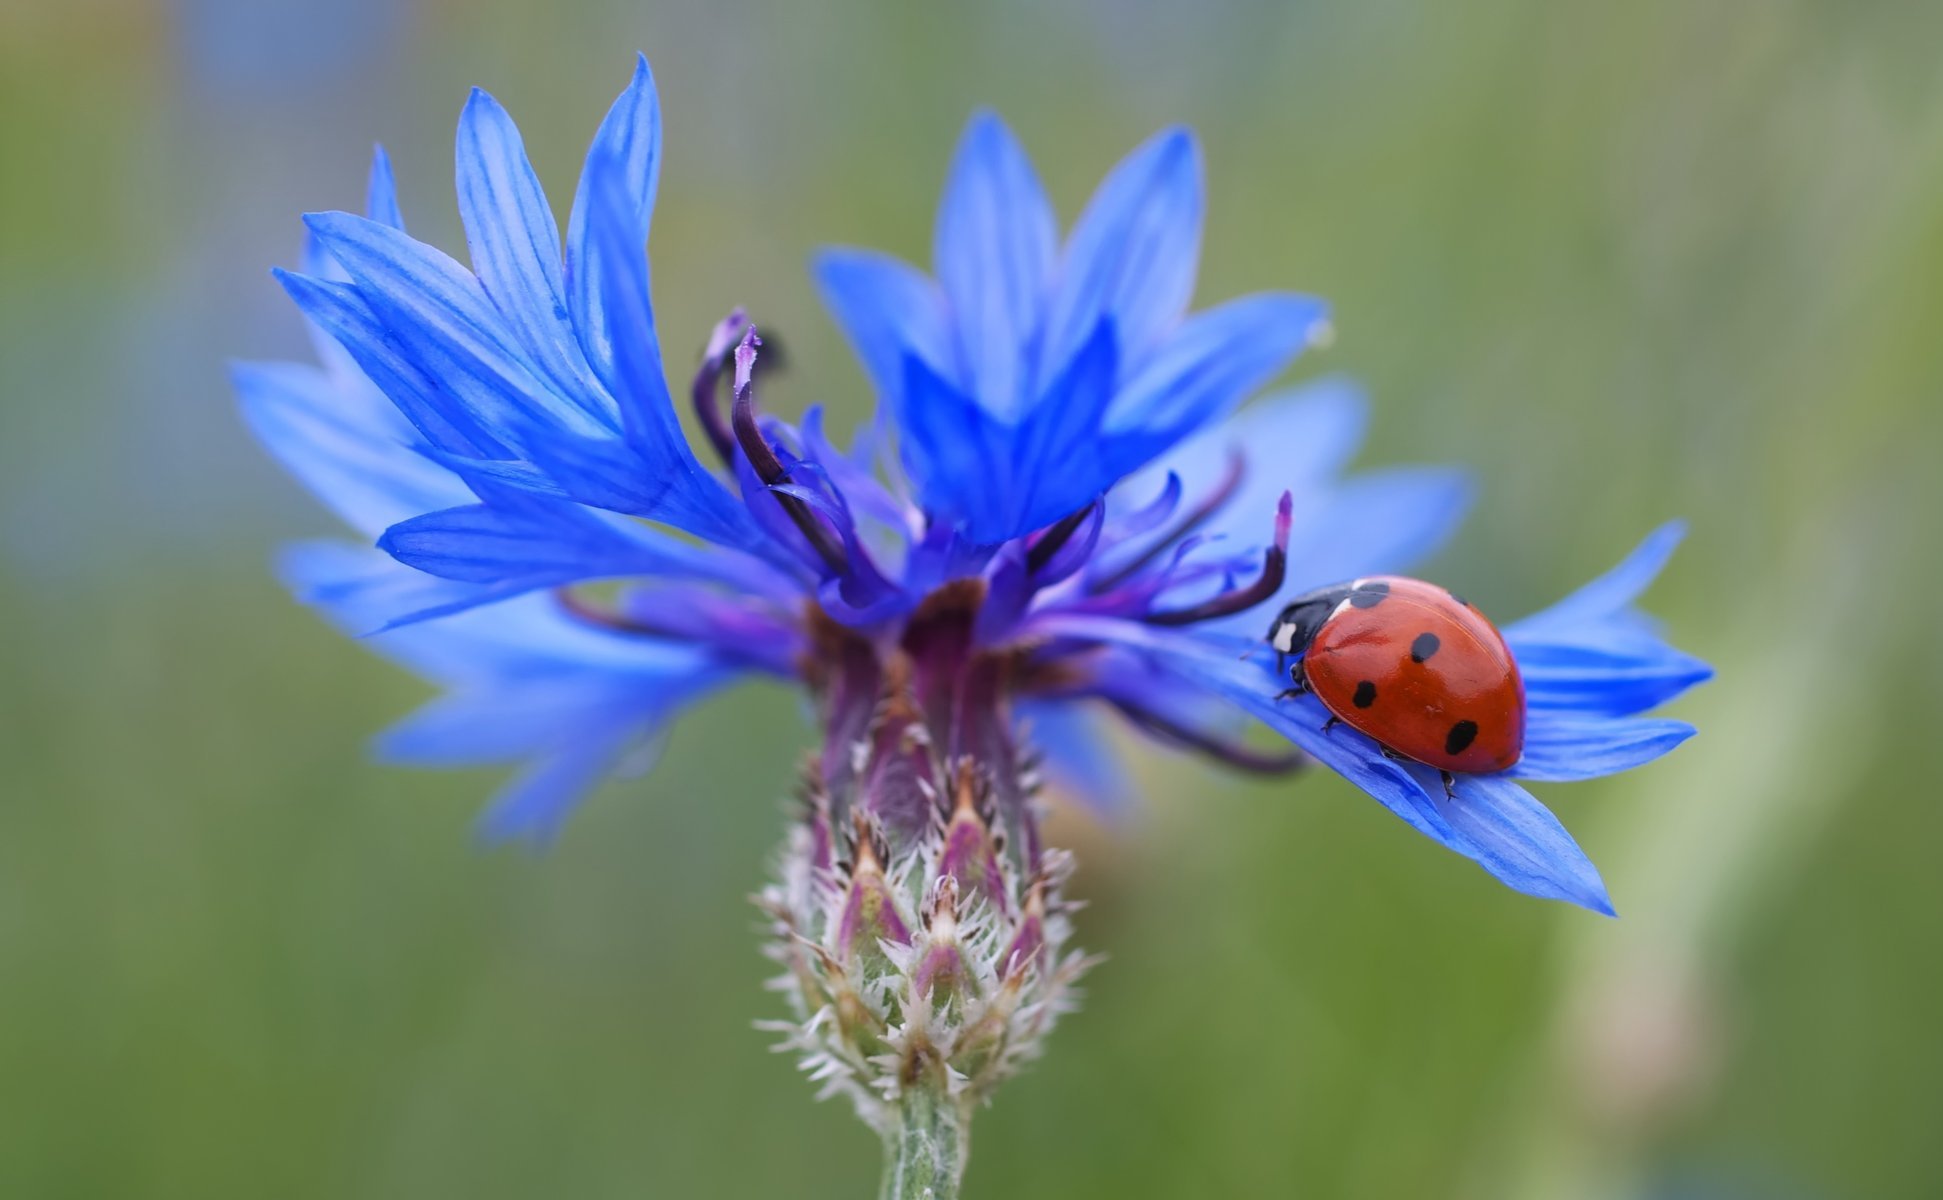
[1414, 667]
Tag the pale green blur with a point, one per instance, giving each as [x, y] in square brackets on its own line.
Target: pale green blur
[1628, 261]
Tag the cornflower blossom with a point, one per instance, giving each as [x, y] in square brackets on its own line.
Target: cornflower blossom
[1062, 514]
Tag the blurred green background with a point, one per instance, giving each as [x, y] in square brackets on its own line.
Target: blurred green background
[1676, 257]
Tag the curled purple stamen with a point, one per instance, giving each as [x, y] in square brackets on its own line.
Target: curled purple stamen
[1274, 569]
[1211, 504]
[1242, 758]
[1055, 538]
[702, 391]
[768, 467]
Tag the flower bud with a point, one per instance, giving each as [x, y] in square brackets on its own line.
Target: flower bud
[925, 948]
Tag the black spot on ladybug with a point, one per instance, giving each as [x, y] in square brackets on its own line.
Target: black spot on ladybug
[1461, 600]
[1461, 736]
[1365, 694]
[1425, 646]
[1369, 595]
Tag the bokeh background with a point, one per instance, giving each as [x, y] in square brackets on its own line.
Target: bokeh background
[1627, 261]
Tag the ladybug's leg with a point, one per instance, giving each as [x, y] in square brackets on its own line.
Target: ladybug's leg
[1298, 682]
[1331, 723]
[1450, 785]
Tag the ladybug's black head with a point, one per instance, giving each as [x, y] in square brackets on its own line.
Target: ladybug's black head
[1298, 624]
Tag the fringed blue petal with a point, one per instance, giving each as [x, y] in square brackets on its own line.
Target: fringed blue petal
[538, 801]
[439, 317]
[530, 542]
[999, 480]
[515, 246]
[342, 312]
[891, 312]
[995, 247]
[1132, 256]
[1056, 461]
[1605, 679]
[1004, 480]
[1295, 441]
[1215, 360]
[1562, 748]
[1299, 441]
[1492, 821]
[570, 721]
[381, 192]
[1505, 830]
[365, 591]
[629, 142]
[527, 683]
[1377, 522]
[1606, 598]
[684, 494]
[346, 444]
[1593, 653]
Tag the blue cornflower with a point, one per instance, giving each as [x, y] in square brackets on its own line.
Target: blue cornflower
[1050, 520]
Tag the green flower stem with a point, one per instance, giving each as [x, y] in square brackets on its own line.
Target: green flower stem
[925, 1153]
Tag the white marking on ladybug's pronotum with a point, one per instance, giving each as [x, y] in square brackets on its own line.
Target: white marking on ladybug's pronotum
[1284, 641]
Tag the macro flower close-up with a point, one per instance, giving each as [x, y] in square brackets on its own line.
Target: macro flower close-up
[1031, 601]
[1059, 511]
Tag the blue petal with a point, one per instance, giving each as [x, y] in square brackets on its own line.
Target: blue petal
[510, 719]
[1606, 597]
[1372, 523]
[1210, 665]
[851, 475]
[527, 542]
[1593, 653]
[1343, 750]
[1517, 839]
[1562, 748]
[570, 719]
[1133, 255]
[891, 312]
[1294, 441]
[952, 448]
[439, 316]
[1057, 460]
[1493, 821]
[340, 311]
[1004, 480]
[685, 495]
[526, 638]
[1216, 359]
[995, 244]
[630, 138]
[381, 192]
[528, 683]
[515, 245]
[1604, 678]
[1298, 441]
[541, 798]
[1377, 522]
[347, 445]
[364, 591]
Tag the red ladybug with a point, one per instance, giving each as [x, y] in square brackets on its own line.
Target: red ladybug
[1411, 665]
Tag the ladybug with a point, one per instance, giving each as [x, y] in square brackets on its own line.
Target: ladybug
[1411, 665]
